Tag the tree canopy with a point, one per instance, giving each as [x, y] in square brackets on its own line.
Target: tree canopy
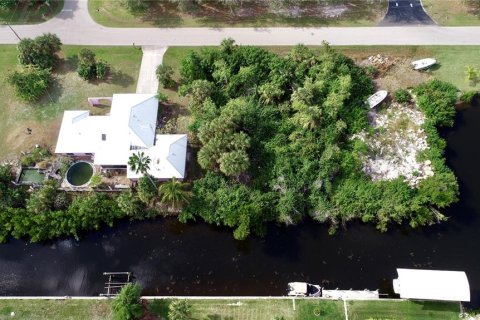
[40, 51]
[275, 142]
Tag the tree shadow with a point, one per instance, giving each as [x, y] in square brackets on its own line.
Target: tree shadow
[66, 65]
[120, 78]
[435, 67]
[54, 92]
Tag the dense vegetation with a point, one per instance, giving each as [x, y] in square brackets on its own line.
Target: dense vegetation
[49, 213]
[275, 142]
[90, 68]
[126, 305]
[38, 57]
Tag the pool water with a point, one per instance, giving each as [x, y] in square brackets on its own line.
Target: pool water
[31, 175]
[79, 173]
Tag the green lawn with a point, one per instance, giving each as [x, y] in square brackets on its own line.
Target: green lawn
[257, 309]
[305, 309]
[454, 12]
[55, 310]
[402, 310]
[25, 14]
[164, 14]
[68, 92]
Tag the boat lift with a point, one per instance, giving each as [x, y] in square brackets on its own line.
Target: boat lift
[115, 283]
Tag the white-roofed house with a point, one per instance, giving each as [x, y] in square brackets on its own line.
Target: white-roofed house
[130, 127]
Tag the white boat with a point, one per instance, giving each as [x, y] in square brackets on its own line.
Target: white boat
[303, 289]
[423, 64]
[376, 98]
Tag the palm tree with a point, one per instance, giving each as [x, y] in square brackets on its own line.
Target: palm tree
[173, 193]
[140, 163]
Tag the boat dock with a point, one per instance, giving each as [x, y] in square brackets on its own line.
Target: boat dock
[350, 294]
[115, 282]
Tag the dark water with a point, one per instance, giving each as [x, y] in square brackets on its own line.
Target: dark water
[79, 173]
[171, 258]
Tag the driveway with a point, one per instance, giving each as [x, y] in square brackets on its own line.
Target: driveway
[406, 12]
[147, 78]
[75, 26]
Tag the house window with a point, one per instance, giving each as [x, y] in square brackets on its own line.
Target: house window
[104, 137]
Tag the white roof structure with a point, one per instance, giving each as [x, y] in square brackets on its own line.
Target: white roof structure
[168, 157]
[130, 127]
[432, 285]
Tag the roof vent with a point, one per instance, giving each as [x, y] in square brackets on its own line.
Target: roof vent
[104, 137]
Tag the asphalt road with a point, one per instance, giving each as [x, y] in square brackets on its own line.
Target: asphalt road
[75, 26]
[406, 12]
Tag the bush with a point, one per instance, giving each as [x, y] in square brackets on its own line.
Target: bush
[437, 99]
[147, 191]
[89, 68]
[126, 305]
[35, 156]
[96, 181]
[8, 4]
[467, 97]
[179, 310]
[164, 75]
[402, 96]
[102, 69]
[41, 51]
[30, 83]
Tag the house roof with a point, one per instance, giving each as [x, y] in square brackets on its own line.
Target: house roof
[131, 123]
[432, 285]
[168, 157]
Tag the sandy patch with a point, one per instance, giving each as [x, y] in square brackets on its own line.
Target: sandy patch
[396, 140]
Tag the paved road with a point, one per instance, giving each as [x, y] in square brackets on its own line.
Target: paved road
[75, 26]
[406, 12]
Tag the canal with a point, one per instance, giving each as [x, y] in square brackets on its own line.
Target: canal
[169, 258]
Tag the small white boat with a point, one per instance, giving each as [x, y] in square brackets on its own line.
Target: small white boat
[423, 64]
[303, 289]
[376, 98]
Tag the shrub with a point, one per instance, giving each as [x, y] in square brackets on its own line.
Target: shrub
[437, 99]
[102, 69]
[30, 83]
[41, 51]
[8, 4]
[179, 310]
[126, 305]
[467, 97]
[164, 75]
[130, 205]
[135, 6]
[96, 181]
[146, 190]
[89, 68]
[162, 97]
[402, 96]
[86, 71]
[35, 156]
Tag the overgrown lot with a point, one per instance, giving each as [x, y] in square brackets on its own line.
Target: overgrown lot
[274, 137]
[214, 13]
[68, 92]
